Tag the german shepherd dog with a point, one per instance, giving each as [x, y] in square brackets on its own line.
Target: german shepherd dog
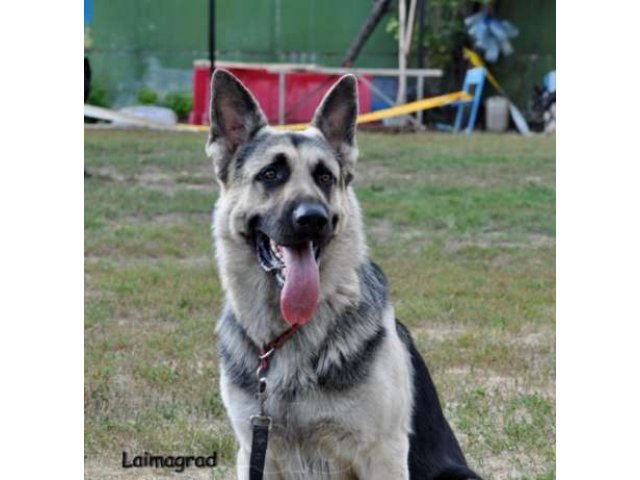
[348, 396]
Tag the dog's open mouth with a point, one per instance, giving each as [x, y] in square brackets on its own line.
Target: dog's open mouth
[296, 269]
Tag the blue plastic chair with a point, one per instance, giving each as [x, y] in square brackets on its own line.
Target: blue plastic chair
[550, 81]
[474, 78]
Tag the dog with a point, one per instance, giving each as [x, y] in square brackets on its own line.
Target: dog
[345, 393]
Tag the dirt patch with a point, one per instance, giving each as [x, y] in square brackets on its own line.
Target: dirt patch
[499, 239]
[383, 231]
[165, 181]
[196, 261]
[166, 218]
[438, 333]
[507, 465]
[372, 174]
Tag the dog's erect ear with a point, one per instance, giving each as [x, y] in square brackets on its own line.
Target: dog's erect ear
[234, 116]
[336, 118]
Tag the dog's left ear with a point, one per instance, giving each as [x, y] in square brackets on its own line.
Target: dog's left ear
[336, 119]
[235, 117]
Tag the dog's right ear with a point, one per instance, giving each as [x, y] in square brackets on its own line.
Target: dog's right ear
[234, 117]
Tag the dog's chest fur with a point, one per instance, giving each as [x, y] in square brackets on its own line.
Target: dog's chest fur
[329, 387]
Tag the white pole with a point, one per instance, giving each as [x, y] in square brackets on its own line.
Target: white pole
[409, 29]
[402, 59]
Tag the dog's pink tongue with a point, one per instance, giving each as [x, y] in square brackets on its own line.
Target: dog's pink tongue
[301, 291]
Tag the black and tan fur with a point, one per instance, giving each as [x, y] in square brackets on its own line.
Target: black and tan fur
[349, 394]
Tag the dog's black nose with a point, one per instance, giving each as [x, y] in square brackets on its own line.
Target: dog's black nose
[310, 218]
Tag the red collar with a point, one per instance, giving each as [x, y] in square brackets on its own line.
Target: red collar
[268, 350]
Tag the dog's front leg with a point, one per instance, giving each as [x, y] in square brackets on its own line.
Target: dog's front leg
[242, 464]
[386, 461]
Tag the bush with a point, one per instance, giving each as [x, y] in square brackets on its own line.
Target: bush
[98, 96]
[181, 103]
[445, 30]
[147, 96]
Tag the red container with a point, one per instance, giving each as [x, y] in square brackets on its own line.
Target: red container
[303, 92]
[200, 111]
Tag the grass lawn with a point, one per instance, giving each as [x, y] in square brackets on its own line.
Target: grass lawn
[464, 228]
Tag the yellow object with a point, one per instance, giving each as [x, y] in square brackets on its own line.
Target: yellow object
[477, 61]
[396, 111]
[412, 107]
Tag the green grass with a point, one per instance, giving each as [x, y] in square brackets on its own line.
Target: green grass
[464, 228]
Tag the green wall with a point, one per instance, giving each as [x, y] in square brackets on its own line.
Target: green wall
[154, 42]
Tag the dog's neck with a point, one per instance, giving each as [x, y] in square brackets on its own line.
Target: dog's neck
[327, 351]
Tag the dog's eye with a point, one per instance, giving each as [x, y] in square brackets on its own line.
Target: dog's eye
[269, 175]
[325, 178]
[274, 174]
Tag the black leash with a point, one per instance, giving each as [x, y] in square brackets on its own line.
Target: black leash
[258, 447]
[261, 423]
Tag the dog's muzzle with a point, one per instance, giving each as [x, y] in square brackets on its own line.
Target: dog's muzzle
[291, 249]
